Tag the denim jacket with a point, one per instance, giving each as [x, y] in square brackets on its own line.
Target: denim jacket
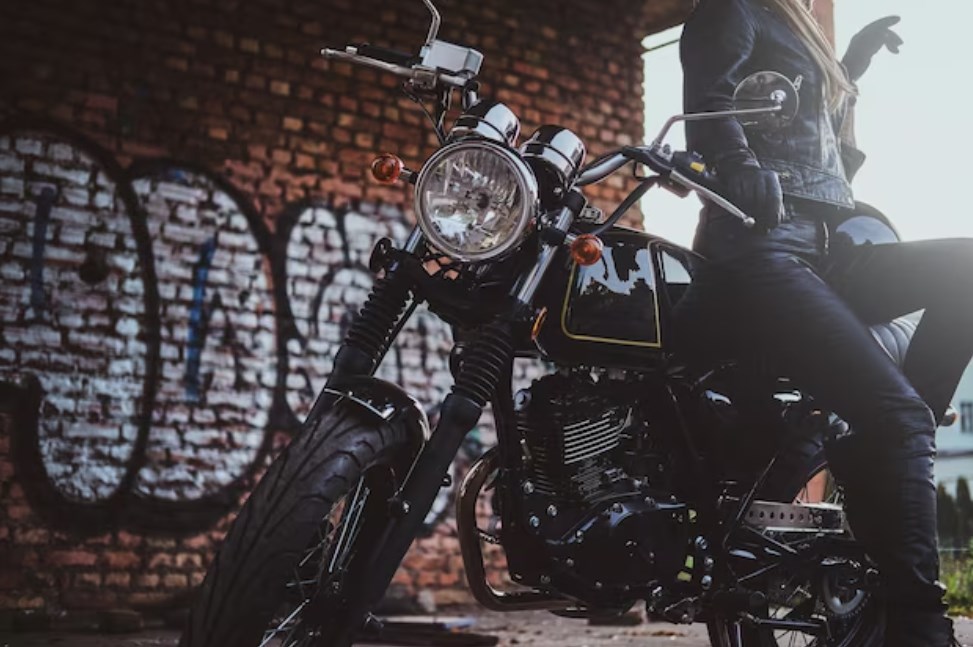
[723, 42]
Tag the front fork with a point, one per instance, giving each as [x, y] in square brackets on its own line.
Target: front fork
[486, 360]
[484, 363]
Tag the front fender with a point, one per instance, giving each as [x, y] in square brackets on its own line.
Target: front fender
[378, 399]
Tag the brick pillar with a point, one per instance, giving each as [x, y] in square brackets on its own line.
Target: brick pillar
[824, 10]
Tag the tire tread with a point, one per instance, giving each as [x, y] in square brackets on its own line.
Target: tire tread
[275, 524]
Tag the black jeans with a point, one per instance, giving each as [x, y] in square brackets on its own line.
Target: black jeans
[781, 294]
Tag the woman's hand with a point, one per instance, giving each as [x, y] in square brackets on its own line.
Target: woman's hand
[754, 190]
[866, 44]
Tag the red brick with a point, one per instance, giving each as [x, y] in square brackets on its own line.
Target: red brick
[163, 543]
[121, 559]
[194, 543]
[118, 579]
[87, 580]
[18, 512]
[160, 560]
[14, 601]
[71, 558]
[31, 536]
[127, 540]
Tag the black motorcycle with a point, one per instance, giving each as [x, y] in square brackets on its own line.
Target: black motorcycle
[625, 475]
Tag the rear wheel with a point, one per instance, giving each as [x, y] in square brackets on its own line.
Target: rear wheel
[832, 591]
[291, 551]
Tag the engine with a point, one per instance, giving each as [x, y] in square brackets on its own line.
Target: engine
[571, 439]
[591, 515]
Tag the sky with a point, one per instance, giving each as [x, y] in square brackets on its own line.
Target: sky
[912, 120]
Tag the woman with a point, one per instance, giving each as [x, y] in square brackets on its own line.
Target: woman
[777, 289]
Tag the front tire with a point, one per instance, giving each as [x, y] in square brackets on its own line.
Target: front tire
[327, 492]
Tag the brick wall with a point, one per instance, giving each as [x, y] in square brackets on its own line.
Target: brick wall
[184, 221]
[824, 10]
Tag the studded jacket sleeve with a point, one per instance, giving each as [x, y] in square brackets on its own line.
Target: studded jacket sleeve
[717, 41]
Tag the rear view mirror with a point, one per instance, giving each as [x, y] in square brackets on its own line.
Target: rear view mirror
[766, 90]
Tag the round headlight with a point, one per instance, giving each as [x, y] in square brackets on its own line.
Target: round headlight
[475, 200]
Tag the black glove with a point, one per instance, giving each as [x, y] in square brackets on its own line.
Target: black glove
[866, 43]
[754, 190]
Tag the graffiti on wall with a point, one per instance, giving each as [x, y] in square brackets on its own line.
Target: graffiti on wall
[154, 331]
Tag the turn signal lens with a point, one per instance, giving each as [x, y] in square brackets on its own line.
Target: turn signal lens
[586, 249]
[387, 168]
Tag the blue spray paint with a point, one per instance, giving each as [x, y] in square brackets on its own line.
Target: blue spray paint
[198, 320]
[42, 217]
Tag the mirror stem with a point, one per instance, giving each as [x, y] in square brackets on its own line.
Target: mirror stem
[436, 20]
[700, 116]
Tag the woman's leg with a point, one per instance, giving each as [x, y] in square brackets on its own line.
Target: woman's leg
[882, 282]
[777, 303]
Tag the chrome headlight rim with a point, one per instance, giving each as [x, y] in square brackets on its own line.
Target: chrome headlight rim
[526, 181]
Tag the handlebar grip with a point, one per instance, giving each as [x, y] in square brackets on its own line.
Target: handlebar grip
[692, 166]
[386, 55]
[689, 170]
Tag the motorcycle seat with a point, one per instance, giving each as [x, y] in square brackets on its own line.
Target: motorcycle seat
[895, 337]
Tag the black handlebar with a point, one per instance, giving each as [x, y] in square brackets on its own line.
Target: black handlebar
[386, 55]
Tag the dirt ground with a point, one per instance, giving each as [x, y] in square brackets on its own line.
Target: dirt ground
[533, 629]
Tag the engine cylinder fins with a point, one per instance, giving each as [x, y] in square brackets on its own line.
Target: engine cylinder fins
[572, 429]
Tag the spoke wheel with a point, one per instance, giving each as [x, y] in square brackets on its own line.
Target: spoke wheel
[321, 570]
[831, 592]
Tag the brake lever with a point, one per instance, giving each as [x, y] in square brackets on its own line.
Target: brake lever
[715, 197]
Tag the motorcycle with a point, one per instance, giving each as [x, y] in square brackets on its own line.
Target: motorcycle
[625, 474]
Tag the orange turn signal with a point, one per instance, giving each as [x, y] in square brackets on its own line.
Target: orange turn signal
[387, 168]
[586, 249]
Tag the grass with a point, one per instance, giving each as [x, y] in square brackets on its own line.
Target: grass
[957, 575]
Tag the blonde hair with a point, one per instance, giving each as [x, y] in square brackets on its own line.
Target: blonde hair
[797, 14]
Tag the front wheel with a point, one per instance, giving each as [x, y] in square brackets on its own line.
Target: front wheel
[830, 592]
[291, 551]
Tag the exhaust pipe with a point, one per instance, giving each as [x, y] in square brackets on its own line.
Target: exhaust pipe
[469, 542]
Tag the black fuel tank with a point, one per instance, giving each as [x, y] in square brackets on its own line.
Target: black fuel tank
[615, 313]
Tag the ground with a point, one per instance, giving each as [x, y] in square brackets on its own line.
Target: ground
[534, 629]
